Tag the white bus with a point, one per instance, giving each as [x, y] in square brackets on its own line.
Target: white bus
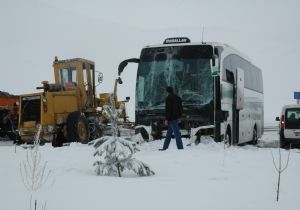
[221, 90]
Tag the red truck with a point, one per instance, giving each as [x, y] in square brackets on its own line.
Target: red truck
[8, 115]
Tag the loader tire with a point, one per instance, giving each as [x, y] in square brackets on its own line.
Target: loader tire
[77, 128]
[12, 136]
[58, 140]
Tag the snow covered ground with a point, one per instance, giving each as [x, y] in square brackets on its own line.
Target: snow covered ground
[199, 177]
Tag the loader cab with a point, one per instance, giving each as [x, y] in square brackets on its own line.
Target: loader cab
[77, 75]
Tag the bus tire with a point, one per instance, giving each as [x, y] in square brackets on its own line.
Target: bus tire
[227, 137]
[77, 128]
[143, 132]
[254, 136]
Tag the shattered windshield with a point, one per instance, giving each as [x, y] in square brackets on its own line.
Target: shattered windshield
[185, 68]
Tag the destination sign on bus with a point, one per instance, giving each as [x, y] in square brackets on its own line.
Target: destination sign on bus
[177, 40]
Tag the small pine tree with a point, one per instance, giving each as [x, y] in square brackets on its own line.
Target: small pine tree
[116, 152]
[33, 171]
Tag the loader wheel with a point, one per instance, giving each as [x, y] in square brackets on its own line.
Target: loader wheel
[77, 128]
[58, 140]
[12, 136]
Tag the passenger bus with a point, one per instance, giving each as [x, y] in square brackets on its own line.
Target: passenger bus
[221, 90]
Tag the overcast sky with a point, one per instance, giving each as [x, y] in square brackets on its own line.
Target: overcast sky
[34, 31]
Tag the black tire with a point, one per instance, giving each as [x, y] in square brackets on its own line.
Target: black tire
[98, 133]
[19, 142]
[254, 136]
[77, 128]
[95, 129]
[282, 141]
[6, 125]
[12, 136]
[284, 144]
[198, 138]
[58, 140]
[227, 137]
[143, 132]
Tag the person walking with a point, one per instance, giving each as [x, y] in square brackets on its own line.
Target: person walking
[173, 113]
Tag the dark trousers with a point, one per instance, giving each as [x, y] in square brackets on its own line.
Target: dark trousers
[173, 128]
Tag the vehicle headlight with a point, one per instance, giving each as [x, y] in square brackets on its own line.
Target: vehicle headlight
[50, 128]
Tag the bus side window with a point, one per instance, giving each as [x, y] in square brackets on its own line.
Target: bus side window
[229, 76]
[226, 66]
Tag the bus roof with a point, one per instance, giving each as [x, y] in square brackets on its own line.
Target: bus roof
[230, 49]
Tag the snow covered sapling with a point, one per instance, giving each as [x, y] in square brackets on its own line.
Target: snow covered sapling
[280, 168]
[33, 172]
[116, 152]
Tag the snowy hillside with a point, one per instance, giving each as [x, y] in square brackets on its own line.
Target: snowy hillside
[200, 177]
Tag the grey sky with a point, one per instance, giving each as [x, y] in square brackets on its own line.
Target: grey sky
[34, 31]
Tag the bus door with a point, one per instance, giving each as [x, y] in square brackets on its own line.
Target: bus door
[241, 120]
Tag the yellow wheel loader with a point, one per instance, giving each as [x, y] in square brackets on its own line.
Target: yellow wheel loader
[68, 110]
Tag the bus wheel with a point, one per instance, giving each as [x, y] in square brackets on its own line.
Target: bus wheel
[143, 132]
[254, 137]
[227, 139]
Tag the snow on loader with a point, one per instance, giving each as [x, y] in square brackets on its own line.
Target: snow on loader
[8, 115]
[68, 110]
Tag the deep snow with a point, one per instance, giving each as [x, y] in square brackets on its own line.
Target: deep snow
[200, 177]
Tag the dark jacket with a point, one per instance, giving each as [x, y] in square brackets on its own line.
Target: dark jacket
[173, 107]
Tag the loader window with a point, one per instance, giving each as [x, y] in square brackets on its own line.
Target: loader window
[67, 75]
[85, 81]
[85, 78]
[31, 108]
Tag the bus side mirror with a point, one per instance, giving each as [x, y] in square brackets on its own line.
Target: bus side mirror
[127, 99]
[277, 119]
[214, 66]
[229, 76]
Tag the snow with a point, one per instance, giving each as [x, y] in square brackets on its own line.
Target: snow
[199, 177]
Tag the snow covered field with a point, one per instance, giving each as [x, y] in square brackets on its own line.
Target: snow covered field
[200, 177]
